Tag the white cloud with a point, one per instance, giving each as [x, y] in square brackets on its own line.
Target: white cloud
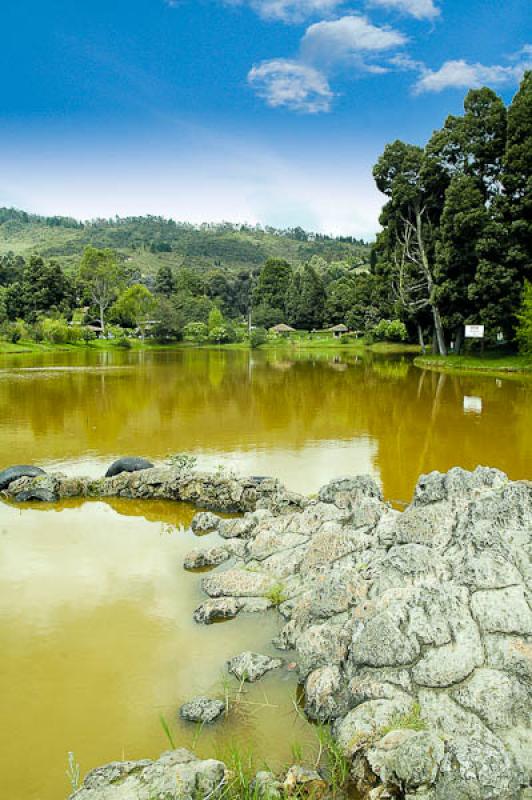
[290, 10]
[291, 84]
[420, 9]
[460, 74]
[348, 36]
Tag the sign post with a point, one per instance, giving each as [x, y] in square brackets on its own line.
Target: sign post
[475, 332]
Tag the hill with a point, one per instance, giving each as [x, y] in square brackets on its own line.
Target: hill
[150, 242]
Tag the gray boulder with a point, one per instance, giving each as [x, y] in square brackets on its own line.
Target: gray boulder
[202, 709]
[213, 557]
[204, 522]
[176, 775]
[217, 610]
[250, 666]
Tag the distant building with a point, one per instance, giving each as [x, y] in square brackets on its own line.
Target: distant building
[282, 329]
[339, 330]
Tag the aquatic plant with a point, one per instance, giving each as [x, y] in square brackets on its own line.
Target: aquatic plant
[73, 772]
[167, 731]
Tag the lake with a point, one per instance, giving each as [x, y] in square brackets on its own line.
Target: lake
[96, 627]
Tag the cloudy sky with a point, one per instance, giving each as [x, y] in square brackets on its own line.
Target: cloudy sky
[269, 111]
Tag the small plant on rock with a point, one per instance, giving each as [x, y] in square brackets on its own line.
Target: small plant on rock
[276, 595]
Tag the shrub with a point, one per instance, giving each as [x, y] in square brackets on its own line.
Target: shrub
[257, 337]
[222, 334]
[390, 330]
[196, 332]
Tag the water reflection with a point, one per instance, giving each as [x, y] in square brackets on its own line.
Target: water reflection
[305, 418]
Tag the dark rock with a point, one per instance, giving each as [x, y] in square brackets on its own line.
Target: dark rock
[128, 464]
[11, 474]
[41, 495]
[251, 666]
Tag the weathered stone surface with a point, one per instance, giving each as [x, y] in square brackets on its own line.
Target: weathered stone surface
[303, 782]
[364, 725]
[202, 709]
[176, 775]
[499, 699]
[502, 610]
[212, 557]
[238, 583]
[250, 666]
[326, 697]
[407, 758]
[381, 643]
[205, 521]
[353, 488]
[217, 610]
[321, 645]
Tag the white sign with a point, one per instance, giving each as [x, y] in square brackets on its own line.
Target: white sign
[474, 331]
[472, 405]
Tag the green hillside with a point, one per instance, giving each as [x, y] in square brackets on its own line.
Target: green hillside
[149, 242]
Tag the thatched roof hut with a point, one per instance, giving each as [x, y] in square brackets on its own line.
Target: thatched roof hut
[282, 329]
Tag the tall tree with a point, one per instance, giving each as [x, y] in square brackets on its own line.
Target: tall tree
[99, 271]
[272, 285]
[399, 175]
[462, 223]
[165, 283]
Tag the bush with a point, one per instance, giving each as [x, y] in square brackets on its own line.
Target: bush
[257, 337]
[196, 332]
[123, 343]
[58, 331]
[390, 330]
[223, 334]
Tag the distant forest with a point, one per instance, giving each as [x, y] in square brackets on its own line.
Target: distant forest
[454, 248]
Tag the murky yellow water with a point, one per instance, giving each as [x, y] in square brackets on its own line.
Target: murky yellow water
[96, 630]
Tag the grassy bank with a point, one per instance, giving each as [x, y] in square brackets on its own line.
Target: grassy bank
[299, 344]
[489, 362]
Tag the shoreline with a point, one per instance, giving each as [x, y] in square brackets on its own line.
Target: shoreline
[487, 364]
[299, 345]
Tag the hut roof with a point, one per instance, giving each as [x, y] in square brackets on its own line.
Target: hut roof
[282, 328]
[341, 328]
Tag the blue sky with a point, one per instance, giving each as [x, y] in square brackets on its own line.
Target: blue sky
[247, 110]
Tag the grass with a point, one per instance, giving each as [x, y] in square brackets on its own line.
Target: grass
[276, 595]
[489, 362]
[73, 772]
[410, 721]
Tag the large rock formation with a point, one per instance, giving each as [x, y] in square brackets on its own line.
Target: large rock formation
[412, 631]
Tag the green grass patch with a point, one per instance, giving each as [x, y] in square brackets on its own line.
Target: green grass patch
[489, 362]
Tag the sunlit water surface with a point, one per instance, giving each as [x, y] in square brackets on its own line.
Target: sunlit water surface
[96, 627]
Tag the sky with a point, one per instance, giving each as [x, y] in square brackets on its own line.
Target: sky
[268, 111]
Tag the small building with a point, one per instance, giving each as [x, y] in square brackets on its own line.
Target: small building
[282, 329]
[339, 330]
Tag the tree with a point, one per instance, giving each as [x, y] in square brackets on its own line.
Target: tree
[462, 223]
[11, 268]
[99, 271]
[168, 326]
[266, 317]
[257, 337]
[524, 328]
[306, 299]
[399, 175]
[135, 307]
[216, 319]
[272, 285]
[165, 283]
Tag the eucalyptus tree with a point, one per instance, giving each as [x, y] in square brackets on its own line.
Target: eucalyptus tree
[409, 217]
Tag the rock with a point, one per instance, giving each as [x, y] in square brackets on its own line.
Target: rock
[11, 474]
[202, 709]
[417, 759]
[364, 725]
[353, 488]
[42, 488]
[326, 697]
[127, 464]
[265, 786]
[41, 495]
[204, 522]
[303, 782]
[502, 610]
[381, 643]
[213, 557]
[498, 698]
[250, 666]
[217, 610]
[321, 645]
[238, 583]
[178, 775]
